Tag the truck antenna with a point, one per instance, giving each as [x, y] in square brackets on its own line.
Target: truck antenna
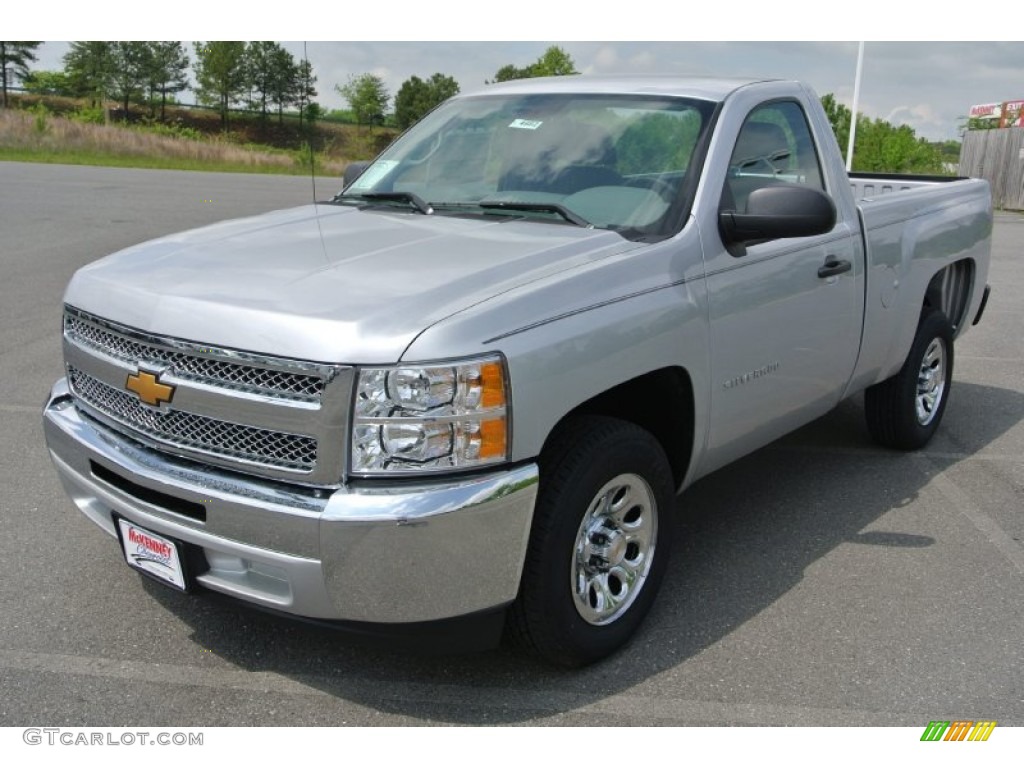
[312, 161]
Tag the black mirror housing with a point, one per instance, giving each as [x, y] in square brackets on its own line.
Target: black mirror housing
[353, 171]
[784, 210]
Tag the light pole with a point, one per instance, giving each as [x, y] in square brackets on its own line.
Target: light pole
[853, 115]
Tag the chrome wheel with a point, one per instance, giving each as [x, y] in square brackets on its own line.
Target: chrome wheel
[905, 410]
[931, 382]
[591, 571]
[614, 549]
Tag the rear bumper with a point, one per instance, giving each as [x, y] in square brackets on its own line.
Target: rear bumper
[395, 554]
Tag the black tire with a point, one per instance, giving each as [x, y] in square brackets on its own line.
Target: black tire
[592, 569]
[905, 410]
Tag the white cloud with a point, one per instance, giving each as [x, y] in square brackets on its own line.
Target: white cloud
[643, 62]
[605, 60]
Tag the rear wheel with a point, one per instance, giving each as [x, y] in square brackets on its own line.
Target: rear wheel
[904, 411]
[599, 544]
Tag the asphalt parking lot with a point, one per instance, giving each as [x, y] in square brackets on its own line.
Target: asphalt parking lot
[820, 581]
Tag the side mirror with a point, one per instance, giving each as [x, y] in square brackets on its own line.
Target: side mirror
[353, 171]
[785, 210]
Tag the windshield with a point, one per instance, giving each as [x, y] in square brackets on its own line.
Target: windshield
[613, 162]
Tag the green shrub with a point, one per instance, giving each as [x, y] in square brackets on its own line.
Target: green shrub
[176, 130]
[41, 113]
[90, 115]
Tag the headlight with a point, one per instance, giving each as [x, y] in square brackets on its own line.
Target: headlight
[415, 418]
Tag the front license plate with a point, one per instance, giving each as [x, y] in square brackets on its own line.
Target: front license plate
[151, 553]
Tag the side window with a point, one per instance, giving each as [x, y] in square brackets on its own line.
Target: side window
[774, 147]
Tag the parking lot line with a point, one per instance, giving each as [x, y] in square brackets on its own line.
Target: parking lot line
[941, 482]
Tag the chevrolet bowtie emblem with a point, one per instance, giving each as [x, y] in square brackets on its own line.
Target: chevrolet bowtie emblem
[149, 390]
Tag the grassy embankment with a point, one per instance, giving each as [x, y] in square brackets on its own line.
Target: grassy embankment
[191, 142]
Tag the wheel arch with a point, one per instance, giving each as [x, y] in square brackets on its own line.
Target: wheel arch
[661, 402]
[949, 291]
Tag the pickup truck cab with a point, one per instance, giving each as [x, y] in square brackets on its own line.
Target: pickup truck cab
[467, 390]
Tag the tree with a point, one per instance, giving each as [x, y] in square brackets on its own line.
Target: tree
[510, 72]
[839, 118]
[416, 97]
[89, 65]
[949, 150]
[367, 97]
[167, 71]
[259, 71]
[880, 146]
[554, 61]
[304, 92]
[283, 83]
[220, 74]
[886, 148]
[47, 83]
[14, 60]
[311, 112]
[129, 72]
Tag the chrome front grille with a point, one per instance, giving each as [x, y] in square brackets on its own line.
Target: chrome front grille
[201, 433]
[187, 362]
[277, 417]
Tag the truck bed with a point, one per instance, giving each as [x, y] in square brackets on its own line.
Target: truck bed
[869, 185]
[914, 227]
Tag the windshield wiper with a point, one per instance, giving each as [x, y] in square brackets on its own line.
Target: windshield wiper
[561, 210]
[411, 198]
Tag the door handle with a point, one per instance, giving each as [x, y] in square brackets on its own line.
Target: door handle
[834, 266]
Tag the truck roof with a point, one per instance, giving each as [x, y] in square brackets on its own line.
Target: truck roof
[707, 88]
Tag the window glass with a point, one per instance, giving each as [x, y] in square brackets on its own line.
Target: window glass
[774, 147]
[616, 161]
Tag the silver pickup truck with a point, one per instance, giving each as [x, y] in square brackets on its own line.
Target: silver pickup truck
[463, 394]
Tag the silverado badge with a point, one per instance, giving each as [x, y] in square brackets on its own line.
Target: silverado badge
[149, 390]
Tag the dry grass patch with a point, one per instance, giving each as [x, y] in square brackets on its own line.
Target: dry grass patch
[24, 135]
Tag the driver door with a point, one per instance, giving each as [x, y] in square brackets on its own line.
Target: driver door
[784, 330]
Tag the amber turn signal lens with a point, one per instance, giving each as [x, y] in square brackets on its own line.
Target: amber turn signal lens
[492, 439]
[493, 382]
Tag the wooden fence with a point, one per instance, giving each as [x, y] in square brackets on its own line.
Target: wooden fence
[998, 156]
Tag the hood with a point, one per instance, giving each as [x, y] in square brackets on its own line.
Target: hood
[327, 283]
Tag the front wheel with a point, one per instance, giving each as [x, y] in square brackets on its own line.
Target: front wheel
[599, 544]
[904, 411]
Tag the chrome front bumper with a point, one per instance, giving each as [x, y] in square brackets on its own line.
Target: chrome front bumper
[392, 554]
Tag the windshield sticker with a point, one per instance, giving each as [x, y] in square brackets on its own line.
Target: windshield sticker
[526, 125]
[374, 173]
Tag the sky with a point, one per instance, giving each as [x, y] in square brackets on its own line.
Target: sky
[921, 77]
